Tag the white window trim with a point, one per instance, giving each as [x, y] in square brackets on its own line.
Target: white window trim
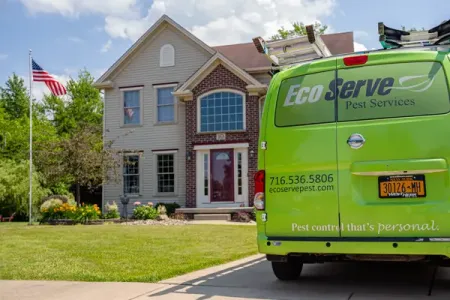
[200, 172]
[244, 197]
[175, 105]
[171, 61]
[155, 172]
[122, 102]
[137, 153]
[203, 200]
[244, 111]
[221, 146]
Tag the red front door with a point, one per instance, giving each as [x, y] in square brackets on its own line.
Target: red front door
[222, 175]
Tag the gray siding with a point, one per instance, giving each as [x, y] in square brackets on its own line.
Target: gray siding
[144, 69]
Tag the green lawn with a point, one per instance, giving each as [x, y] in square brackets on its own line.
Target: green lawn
[118, 252]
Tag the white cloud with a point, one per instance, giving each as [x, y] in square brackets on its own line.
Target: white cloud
[3, 56]
[359, 47]
[106, 46]
[75, 8]
[215, 22]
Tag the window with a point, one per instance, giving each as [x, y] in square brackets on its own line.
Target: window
[393, 91]
[167, 56]
[131, 174]
[239, 172]
[166, 173]
[206, 172]
[304, 100]
[366, 93]
[132, 107]
[222, 111]
[165, 104]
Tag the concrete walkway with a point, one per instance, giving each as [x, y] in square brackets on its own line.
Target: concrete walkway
[252, 278]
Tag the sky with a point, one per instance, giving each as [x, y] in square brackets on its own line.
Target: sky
[66, 36]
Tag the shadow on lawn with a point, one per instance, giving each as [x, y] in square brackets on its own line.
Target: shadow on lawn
[255, 280]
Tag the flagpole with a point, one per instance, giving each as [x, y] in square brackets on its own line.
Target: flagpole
[31, 139]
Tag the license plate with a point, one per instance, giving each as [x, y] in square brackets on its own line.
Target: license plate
[401, 186]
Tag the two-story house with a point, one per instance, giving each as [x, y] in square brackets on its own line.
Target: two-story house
[187, 115]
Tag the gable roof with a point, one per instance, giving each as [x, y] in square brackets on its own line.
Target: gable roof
[185, 91]
[163, 20]
[247, 57]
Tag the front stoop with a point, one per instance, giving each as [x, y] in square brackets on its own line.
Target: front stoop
[212, 217]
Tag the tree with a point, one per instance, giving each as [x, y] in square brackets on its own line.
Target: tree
[84, 107]
[81, 158]
[14, 187]
[298, 29]
[15, 122]
[14, 98]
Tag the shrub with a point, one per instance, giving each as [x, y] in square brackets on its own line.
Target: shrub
[112, 211]
[86, 213]
[54, 209]
[145, 212]
[170, 207]
[64, 199]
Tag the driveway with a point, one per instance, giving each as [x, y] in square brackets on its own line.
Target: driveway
[252, 278]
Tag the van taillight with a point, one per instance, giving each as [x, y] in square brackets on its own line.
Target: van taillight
[258, 200]
[356, 60]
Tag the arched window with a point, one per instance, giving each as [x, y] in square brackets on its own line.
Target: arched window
[221, 111]
[167, 56]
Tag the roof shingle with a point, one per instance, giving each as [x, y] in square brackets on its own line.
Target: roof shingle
[246, 56]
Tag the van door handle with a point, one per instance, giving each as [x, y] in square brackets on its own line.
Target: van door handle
[356, 141]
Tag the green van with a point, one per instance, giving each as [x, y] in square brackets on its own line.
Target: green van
[353, 161]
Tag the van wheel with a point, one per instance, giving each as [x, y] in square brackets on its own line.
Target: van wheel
[287, 270]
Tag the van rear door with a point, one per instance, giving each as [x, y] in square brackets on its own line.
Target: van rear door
[393, 137]
[301, 197]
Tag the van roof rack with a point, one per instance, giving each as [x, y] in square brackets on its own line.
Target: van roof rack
[291, 51]
[391, 38]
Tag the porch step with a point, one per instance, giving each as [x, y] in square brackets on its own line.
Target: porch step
[213, 210]
[212, 217]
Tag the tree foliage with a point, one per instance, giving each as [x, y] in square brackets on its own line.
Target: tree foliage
[298, 29]
[80, 159]
[14, 98]
[84, 107]
[14, 187]
[68, 146]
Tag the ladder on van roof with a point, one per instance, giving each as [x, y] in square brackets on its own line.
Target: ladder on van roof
[391, 38]
[291, 51]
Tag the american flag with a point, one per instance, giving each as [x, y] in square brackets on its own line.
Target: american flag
[40, 75]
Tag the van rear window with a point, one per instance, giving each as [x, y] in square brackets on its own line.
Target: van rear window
[363, 93]
[392, 90]
[304, 100]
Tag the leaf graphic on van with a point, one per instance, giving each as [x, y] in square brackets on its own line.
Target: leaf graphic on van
[414, 88]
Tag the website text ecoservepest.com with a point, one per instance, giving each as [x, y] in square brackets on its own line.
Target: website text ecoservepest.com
[301, 183]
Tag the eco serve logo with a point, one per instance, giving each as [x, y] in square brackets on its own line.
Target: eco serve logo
[298, 94]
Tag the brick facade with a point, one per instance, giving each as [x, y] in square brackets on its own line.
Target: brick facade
[220, 78]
